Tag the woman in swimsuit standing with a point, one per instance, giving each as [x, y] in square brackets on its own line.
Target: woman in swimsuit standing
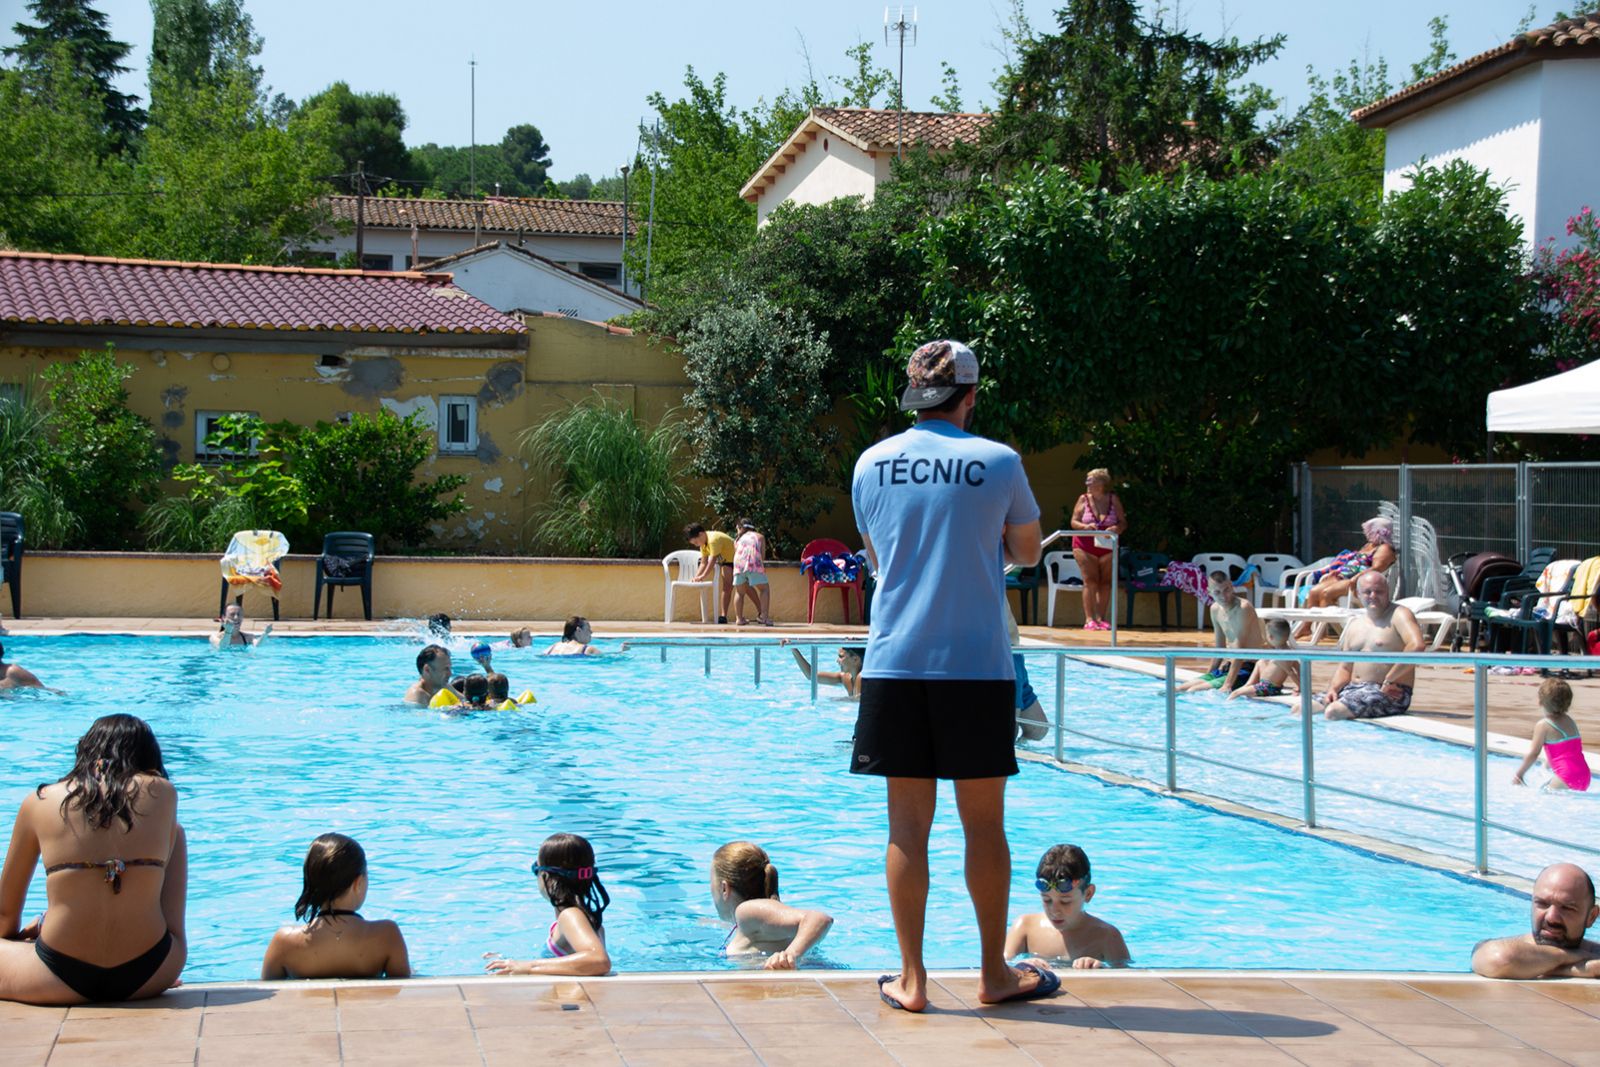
[1097, 509]
[116, 866]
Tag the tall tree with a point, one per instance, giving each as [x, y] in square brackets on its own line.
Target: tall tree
[74, 31]
[1113, 88]
[527, 155]
[204, 42]
[368, 128]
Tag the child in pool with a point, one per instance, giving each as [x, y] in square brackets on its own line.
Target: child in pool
[576, 942]
[1064, 930]
[1271, 675]
[850, 658]
[334, 941]
[1556, 735]
[744, 888]
[475, 691]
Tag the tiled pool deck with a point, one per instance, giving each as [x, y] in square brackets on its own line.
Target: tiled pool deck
[1125, 1018]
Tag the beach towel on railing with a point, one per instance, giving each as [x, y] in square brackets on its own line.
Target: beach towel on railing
[830, 569]
[1190, 578]
[252, 558]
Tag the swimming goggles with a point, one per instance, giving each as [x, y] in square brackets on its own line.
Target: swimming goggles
[581, 874]
[1061, 885]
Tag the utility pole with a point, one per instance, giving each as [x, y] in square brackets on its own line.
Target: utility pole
[902, 29]
[650, 234]
[472, 155]
[361, 212]
[624, 271]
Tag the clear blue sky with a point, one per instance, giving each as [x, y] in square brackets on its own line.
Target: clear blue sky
[581, 71]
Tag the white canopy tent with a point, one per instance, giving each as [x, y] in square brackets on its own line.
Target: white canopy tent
[1565, 403]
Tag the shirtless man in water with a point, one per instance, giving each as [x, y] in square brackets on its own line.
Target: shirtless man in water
[13, 676]
[1374, 690]
[1563, 910]
[1234, 624]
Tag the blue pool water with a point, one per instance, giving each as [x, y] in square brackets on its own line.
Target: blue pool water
[658, 765]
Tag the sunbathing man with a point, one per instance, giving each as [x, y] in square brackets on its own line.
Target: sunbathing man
[1234, 624]
[231, 632]
[1563, 910]
[13, 676]
[1374, 690]
[433, 674]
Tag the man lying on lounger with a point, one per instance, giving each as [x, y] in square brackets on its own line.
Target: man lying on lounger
[1374, 690]
[1563, 910]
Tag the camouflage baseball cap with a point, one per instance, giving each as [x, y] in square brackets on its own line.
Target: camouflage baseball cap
[935, 371]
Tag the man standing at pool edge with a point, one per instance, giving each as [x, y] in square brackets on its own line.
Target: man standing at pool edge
[941, 511]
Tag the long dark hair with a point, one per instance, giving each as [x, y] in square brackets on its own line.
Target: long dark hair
[109, 755]
[566, 863]
[333, 863]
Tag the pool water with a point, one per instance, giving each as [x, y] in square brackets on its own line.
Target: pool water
[1119, 705]
[658, 765]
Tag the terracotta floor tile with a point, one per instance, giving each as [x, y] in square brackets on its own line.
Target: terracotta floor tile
[1140, 1020]
[690, 1057]
[1079, 1037]
[990, 1052]
[631, 1038]
[265, 999]
[1377, 1012]
[20, 1055]
[1584, 997]
[170, 1002]
[1581, 1056]
[1326, 1055]
[1337, 991]
[244, 1023]
[492, 1016]
[10, 1012]
[544, 1043]
[1455, 1056]
[427, 1015]
[1206, 988]
[142, 1028]
[807, 1056]
[1201, 1056]
[100, 1053]
[1477, 992]
[587, 1057]
[425, 1048]
[1308, 1024]
[1468, 1036]
[399, 994]
[554, 994]
[831, 1036]
[20, 1032]
[790, 1011]
[280, 1050]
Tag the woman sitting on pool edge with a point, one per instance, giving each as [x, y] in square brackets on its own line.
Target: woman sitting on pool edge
[334, 941]
[116, 877]
[744, 888]
[575, 638]
[576, 942]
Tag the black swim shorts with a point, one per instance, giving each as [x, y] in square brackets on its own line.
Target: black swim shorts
[910, 728]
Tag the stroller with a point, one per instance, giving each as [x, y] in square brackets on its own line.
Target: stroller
[1479, 579]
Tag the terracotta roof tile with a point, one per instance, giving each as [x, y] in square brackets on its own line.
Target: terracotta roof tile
[39, 288]
[871, 130]
[1560, 40]
[531, 215]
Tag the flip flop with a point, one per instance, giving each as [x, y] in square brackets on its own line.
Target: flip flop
[1049, 982]
[887, 999]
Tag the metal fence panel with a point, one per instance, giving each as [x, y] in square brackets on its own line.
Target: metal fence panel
[1473, 508]
[1564, 508]
[1341, 499]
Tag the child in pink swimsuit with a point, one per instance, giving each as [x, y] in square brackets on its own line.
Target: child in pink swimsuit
[1556, 736]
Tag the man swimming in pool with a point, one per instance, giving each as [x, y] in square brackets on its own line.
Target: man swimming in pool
[13, 676]
[1234, 624]
[1563, 910]
[433, 674]
[1374, 690]
[231, 631]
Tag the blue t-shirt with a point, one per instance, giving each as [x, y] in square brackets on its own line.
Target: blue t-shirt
[935, 502]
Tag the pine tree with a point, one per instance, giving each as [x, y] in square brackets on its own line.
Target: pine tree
[96, 54]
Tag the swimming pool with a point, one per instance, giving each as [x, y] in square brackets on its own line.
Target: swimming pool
[658, 765]
[1119, 705]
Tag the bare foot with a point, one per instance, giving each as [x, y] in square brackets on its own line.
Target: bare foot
[898, 993]
[1019, 983]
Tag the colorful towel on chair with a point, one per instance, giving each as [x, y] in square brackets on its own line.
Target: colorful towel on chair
[834, 570]
[1190, 578]
[252, 557]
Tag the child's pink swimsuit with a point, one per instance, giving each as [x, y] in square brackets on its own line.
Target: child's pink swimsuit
[1567, 761]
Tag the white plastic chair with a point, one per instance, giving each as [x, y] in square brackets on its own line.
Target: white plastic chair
[687, 560]
[1290, 581]
[1228, 564]
[1270, 568]
[1063, 573]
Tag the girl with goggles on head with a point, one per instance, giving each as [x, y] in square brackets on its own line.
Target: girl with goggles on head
[576, 942]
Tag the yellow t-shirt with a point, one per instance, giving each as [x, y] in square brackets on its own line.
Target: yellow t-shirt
[718, 544]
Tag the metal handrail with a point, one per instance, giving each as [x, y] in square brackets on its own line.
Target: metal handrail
[1116, 566]
[1479, 662]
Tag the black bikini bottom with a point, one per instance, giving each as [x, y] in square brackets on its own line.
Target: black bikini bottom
[102, 984]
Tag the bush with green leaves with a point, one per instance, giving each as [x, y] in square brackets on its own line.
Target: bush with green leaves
[307, 481]
[759, 388]
[616, 485]
[25, 485]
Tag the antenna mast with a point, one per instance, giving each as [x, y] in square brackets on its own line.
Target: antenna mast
[472, 153]
[901, 28]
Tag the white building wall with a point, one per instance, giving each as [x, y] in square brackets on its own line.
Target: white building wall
[1495, 127]
[508, 282]
[1569, 151]
[827, 169]
[432, 244]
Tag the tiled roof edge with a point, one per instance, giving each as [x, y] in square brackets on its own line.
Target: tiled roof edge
[179, 264]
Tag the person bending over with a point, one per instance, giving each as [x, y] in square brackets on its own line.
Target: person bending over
[744, 888]
[1563, 910]
[116, 877]
[716, 550]
[332, 940]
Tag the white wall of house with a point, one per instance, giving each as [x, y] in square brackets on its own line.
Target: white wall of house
[828, 168]
[431, 244]
[1529, 129]
[509, 282]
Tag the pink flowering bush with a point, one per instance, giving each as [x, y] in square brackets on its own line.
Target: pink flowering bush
[1569, 281]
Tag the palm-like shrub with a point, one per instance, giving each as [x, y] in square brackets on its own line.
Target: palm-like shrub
[615, 489]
